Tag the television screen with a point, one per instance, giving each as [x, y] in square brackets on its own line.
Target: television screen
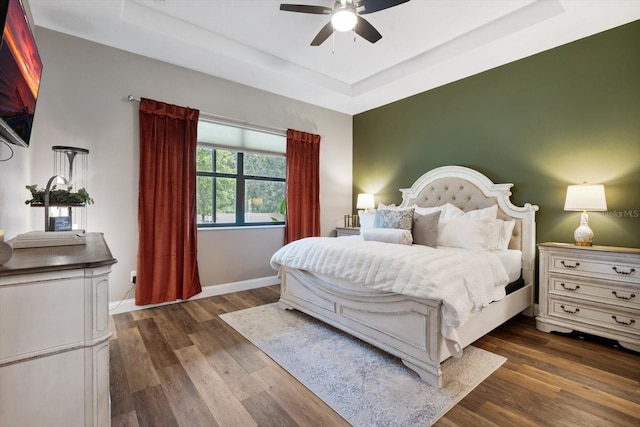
[20, 71]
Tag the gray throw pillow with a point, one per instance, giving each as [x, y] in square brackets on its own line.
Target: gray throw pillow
[425, 229]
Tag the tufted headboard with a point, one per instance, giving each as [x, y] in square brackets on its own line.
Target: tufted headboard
[465, 195]
[468, 189]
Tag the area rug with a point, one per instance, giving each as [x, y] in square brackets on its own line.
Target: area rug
[366, 386]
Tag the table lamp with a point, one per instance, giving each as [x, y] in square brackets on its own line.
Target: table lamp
[365, 201]
[585, 197]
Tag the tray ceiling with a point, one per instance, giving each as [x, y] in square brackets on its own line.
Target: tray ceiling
[425, 43]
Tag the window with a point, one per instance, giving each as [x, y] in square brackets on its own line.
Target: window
[240, 176]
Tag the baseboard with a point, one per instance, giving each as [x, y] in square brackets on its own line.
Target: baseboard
[128, 305]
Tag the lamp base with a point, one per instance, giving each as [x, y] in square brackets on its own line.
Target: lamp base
[583, 234]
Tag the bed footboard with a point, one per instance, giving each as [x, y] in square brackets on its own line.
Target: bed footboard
[406, 327]
[402, 326]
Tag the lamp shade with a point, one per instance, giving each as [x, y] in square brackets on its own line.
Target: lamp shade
[365, 201]
[585, 197]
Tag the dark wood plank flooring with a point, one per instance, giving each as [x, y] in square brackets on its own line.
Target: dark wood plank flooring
[181, 365]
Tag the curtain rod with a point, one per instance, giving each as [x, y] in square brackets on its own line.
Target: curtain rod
[228, 120]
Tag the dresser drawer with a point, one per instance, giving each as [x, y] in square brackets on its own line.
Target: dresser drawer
[617, 294]
[347, 231]
[595, 290]
[594, 265]
[603, 316]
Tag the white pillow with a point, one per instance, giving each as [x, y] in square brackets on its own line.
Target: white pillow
[389, 207]
[468, 233]
[492, 234]
[505, 232]
[366, 220]
[451, 211]
[388, 235]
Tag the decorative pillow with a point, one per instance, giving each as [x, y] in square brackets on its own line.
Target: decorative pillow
[394, 218]
[426, 211]
[425, 228]
[416, 208]
[366, 220]
[468, 233]
[388, 235]
[452, 211]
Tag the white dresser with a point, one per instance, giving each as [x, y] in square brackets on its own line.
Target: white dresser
[54, 336]
[593, 289]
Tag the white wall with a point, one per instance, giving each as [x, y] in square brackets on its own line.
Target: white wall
[14, 175]
[83, 103]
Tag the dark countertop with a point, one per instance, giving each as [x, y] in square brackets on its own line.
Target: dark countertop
[95, 253]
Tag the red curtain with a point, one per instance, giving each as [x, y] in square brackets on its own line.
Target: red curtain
[303, 185]
[167, 247]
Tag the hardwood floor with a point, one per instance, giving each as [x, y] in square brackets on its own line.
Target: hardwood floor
[181, 365]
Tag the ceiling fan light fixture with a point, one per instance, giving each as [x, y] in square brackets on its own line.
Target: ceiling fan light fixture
[344, 19]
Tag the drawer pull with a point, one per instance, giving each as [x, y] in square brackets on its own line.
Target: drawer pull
[565, 287]
[571, 266]
[633, 270]
[630, 322]
[572, 312]
[623, 297]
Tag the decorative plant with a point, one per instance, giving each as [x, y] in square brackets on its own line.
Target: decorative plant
[58, 196]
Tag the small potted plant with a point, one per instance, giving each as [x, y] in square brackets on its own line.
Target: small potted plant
[58, 196]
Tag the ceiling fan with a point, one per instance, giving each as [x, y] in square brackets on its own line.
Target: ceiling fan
[345, 16]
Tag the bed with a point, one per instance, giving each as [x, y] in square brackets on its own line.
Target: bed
[405, 325]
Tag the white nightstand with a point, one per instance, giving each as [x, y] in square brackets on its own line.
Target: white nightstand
[593, 289]
[347, 231]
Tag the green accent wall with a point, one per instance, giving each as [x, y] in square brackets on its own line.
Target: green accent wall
[564, 116]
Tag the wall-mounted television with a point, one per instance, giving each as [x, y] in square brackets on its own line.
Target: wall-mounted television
[20, 71]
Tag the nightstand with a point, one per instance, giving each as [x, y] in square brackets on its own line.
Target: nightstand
[592, 289]
[347, 231]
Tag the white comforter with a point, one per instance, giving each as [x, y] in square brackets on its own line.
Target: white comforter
[464, 280]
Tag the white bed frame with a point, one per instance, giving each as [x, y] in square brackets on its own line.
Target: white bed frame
[407, 327]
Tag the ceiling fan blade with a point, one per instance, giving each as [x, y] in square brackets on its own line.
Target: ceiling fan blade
[365, 30]
[303, 8]
[324, 34]
[371, 6]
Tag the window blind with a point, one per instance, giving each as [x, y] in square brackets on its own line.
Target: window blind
[229, 136]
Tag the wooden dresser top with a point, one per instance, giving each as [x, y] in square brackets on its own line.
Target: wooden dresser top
[95, 253]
